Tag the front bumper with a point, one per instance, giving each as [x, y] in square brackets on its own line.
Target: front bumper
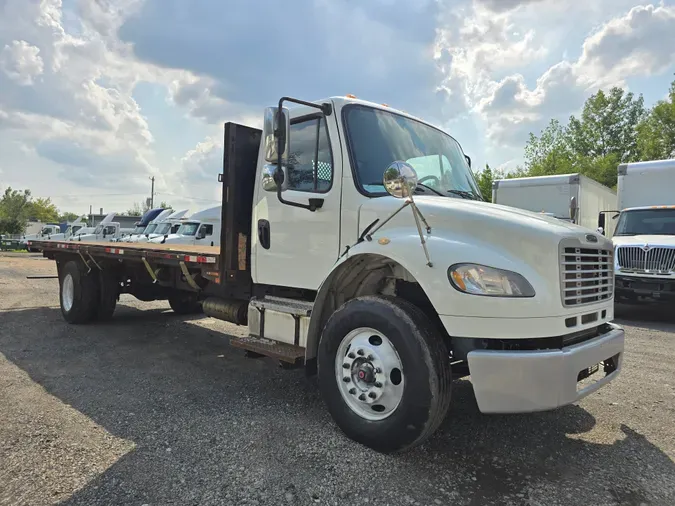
[540, 380]
[633, 287]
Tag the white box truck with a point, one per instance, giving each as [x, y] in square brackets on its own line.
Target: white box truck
[568, 197]
[644, 236]
[355, 242]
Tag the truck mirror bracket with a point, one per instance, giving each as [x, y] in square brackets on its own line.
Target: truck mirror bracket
[314, 203]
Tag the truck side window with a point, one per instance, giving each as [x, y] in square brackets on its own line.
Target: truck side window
[310, 161]
[207, 230]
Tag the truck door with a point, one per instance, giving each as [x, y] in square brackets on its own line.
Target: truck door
[296, 247]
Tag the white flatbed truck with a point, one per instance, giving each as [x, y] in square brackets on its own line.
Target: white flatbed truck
[355, 243]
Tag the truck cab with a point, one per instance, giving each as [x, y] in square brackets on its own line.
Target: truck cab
[165, 224]
[44, 233]
[148, 230]
[141, 226]
[356, 202]
[202, 227]
[107, 231]
[644, 238]
[71, 229]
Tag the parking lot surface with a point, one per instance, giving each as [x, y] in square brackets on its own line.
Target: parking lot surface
[156, 409]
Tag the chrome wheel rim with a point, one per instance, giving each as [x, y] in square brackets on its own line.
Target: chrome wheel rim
[369, 374]
[68, 292]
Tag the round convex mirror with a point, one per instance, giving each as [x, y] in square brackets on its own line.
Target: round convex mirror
[400, 179]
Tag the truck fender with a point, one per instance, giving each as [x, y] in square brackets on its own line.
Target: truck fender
[361, 258]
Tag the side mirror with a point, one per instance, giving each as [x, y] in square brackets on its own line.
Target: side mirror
[201, 234]
[400, 179]
[600, 230]
[104, 234]
[276, 127]
[468, 160]
[573, 209]
[601, 222]
[269, 178]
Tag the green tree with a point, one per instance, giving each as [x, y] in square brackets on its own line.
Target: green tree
[550, 153]
[607, 125]
[485, 178]
[656, 132]
[68, 217]
[42, 209]
[14, 206]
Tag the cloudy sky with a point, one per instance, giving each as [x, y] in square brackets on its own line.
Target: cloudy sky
[96, 96]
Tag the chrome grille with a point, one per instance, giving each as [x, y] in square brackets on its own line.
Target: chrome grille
[587, 274]
[656, 259]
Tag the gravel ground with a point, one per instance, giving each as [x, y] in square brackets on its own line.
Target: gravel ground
[157, 409]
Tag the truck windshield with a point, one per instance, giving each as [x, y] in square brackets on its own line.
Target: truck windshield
[138, 229]
[377, 138]
[646, 222]
[151, 228]
[188, 228]
[163, 228]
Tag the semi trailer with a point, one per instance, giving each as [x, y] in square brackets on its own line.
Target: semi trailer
[355, 243]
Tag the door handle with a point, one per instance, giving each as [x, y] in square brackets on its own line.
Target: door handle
[264, 233]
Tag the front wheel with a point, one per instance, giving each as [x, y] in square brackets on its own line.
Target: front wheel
[384, 373]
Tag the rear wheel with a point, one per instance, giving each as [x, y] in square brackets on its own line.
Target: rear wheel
[185, 303]
[77, 293]
[384, 373]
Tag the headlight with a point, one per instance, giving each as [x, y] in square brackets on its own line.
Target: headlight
[482, 280]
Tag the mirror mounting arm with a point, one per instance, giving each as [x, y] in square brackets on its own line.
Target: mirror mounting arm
[314, 204]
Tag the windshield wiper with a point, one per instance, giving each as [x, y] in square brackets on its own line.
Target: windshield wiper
[422, 185]
[465, 194]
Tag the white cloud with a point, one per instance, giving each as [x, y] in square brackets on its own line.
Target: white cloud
[637, 43]
[74, 104]
[21, 62]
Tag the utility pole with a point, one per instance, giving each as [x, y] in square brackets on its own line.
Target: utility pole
[152, 193]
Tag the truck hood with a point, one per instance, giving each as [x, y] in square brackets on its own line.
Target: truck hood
[641, 240]
[449, 213]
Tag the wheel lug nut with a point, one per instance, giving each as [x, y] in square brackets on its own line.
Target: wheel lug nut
[372, 395]
[346, 366]
[360, 352]
[370, 358]
[351, 355]
[378, 370]
[352, 391]
[378, 384]
[346, 379]
[362, 397]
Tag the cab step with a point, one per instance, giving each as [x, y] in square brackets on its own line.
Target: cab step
[280, 320]
[280, 351]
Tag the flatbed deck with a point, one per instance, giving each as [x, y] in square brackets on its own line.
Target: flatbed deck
[177, 252]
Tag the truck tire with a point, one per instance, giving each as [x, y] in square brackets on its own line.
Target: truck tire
[77, 293]
[108, 292]
[384, 373]
[185, 303]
